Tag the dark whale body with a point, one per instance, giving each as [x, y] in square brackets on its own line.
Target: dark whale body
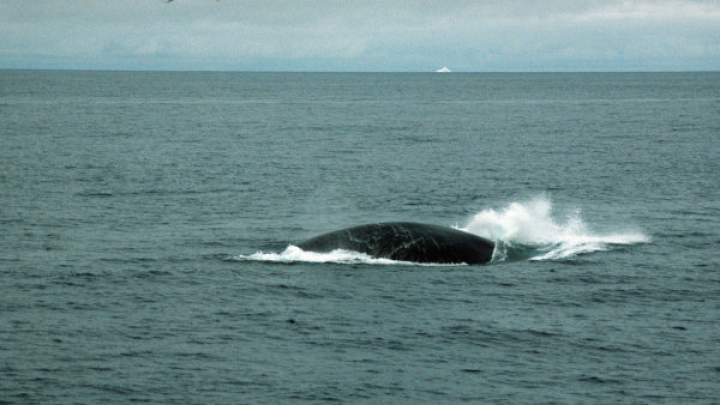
[406, 241]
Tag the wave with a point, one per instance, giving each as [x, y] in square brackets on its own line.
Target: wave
[294, 254]
[522, 231]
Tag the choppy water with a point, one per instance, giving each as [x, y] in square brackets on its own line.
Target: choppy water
[146, 219]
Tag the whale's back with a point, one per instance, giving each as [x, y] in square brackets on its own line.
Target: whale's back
[406, 241]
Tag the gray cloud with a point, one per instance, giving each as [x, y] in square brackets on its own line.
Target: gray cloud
[361, 35]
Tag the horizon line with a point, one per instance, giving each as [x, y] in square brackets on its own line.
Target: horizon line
[109, 70]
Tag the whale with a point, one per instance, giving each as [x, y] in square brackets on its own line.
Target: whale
[406, 241]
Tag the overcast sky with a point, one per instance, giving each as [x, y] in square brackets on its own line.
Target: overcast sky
[361, 35]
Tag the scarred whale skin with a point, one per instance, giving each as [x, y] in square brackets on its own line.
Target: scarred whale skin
[406, 241]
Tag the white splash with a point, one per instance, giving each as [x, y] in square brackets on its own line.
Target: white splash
[531, 225]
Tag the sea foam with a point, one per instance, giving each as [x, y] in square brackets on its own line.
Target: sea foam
[293, 254]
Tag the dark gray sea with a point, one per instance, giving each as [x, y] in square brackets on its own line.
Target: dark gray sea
[146, 224]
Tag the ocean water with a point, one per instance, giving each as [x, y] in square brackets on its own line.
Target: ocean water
[147, 223]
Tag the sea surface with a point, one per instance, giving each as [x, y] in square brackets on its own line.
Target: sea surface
[147, 222]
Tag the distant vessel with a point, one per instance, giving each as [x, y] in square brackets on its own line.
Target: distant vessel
[443, 70]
